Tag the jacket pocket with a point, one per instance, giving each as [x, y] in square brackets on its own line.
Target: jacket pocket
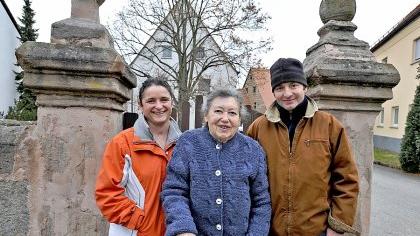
[319, 148]
[313, 163]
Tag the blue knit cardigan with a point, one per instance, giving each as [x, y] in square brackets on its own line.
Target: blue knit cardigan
[216, 189]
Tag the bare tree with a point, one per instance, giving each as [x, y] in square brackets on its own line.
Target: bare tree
[186, 27]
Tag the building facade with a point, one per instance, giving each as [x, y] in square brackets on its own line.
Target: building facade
[401, 48]
[8, 44]
[257, 94]
[257, 89]
[157, 48]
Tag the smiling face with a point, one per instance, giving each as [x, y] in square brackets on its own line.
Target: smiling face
[223, 118]
[156, 105]
[289, 94]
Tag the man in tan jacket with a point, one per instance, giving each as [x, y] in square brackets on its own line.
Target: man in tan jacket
[312, 173]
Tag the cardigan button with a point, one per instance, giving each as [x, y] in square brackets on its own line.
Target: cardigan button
[217, 172]
[218, 146]
[219, 201]
[219, 227]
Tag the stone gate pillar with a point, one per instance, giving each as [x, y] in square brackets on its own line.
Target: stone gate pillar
[349, 83]
[81, 84]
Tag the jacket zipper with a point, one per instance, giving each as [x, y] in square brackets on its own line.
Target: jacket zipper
[289, 193]
[289, 219]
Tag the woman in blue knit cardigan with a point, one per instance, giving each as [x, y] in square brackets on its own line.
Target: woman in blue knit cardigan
[216, 181]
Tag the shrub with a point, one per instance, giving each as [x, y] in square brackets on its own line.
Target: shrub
[410, 145]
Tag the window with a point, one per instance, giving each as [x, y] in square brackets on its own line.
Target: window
[255, 105]
[417, 49]
[246, 89]
[381, 118]
[254, 89]
[200, 53]
[385, 60]
[166, 52]
[204, 85]
[394, 118]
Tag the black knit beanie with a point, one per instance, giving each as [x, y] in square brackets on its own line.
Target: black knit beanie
[287, 70]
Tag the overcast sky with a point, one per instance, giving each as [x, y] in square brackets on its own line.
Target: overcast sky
[294, 23]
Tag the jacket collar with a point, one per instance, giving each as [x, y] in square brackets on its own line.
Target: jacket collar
[294, 116]
[142, 130]
[273, 114]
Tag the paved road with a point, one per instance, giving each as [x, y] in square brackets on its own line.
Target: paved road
[395, 203]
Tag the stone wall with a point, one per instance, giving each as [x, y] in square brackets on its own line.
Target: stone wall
[14, 178]
[48, 170]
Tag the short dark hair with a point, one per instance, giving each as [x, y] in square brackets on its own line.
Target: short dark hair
[223, 93]
[157, 82]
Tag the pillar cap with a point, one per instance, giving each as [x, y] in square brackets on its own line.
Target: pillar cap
[340, 10]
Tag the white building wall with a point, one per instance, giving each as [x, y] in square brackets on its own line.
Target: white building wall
[8, 43]
[398, 51]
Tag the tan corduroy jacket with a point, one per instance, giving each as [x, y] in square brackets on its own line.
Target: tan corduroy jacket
[314, 183]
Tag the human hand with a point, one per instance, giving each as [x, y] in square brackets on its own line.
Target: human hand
[331, 232]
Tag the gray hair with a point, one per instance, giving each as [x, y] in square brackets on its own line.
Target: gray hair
[224, 93]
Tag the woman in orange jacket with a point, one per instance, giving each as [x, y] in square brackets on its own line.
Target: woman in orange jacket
[134, 166]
